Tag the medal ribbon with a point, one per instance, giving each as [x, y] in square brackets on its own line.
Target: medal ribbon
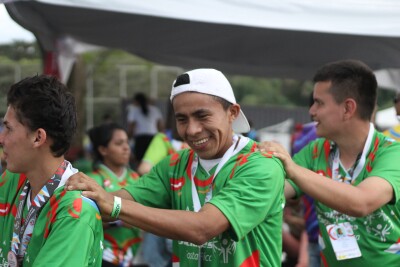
[22, 233]
[361, 162]
[238, 144]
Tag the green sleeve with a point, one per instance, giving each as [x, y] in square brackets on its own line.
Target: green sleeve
[152, 189]
[385, 164]
[297, 189]
[302, 158]
[156, 151]
[254, 194]
[71, 243]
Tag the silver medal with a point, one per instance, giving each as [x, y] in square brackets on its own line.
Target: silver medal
[12, 259]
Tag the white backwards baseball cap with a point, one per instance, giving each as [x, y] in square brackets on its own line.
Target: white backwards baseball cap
[210, 82]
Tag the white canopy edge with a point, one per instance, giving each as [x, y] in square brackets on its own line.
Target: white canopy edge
[286, 38]
[388, 79]
[339, 16]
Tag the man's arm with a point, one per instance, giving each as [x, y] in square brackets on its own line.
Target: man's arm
[358, 201]
[289, 191]
[194, 227]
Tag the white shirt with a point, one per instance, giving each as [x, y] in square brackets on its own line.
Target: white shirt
[144, 124]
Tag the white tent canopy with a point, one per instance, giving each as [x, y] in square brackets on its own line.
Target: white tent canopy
[285, 38]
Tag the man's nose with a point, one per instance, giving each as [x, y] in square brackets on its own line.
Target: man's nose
[193, 127]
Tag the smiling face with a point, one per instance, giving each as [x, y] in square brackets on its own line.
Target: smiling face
[325, 111]
[18, 142]
[117, 152]
[203, 123]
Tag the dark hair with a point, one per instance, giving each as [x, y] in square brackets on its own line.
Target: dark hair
[225, 103]
[171, 122]
[101, 135]
[351, 79]
[142, 100]
[44, 102]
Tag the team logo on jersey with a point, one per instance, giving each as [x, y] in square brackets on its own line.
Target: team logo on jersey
[177, 183]
[221, 247]
[4, 209]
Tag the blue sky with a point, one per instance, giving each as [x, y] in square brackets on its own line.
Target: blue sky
[10, 30]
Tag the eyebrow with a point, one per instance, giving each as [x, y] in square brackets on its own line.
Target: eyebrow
[195, 113]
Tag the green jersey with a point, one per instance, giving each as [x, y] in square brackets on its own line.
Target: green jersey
[377, 234]
[159, 147]
[68, 229]
[120, 243]
[248, 190]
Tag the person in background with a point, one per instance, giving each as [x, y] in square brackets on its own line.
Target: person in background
[394, 132]
[293, 228]
[306, 134]
[201, 197]
[144, 121]
[41, 224]
[111, 153]
[157, 250]
[162, 145]
[352, 172]
[83, 160]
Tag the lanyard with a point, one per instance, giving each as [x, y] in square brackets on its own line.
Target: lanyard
[360, 164]
[238, 144]
[22, 233]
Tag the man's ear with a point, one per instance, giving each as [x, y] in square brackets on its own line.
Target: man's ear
[235, 110]
[40, 137]
[350, 107]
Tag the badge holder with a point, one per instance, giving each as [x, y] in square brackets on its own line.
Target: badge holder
[343, 241]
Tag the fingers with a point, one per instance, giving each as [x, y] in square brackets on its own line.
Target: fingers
[79, 181]
[271, 147]
[91, 189]
[278, 155]
[91, 195]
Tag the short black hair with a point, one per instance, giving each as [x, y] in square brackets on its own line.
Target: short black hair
[351, 79]
[42, 101]
[101, 135]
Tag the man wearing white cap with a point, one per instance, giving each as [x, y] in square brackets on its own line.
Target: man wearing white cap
[221, 201]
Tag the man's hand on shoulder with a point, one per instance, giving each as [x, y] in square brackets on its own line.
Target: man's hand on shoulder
[277, 150]
[91, 189]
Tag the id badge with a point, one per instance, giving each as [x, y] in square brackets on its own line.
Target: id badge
[343, 241]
